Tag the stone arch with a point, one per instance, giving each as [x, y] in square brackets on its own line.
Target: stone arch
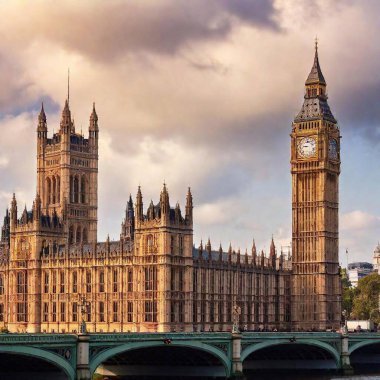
[37, 353]
[325, 346]
[78, 235]
[104, 355]
[76, 189]
[85, 235]
[361, 344]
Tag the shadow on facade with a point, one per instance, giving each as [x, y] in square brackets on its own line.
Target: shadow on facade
[366, 359]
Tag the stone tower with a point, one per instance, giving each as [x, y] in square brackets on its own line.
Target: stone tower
[67, 175]
[162, 263]
[315, 168]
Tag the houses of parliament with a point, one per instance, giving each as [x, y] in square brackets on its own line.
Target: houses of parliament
[54, 272]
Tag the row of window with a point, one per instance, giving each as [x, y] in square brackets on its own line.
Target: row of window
[88, 284]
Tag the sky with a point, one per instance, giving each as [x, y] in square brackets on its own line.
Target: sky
[196, 93]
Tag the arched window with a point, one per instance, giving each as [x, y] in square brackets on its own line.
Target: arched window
[76, 189]
[54, 191]
[58, 197]
[71, 189]
[21, 283]
[83, 191]
[78, 236]
[48, 190]
[71, 235]
[1, 284]
[85, 236]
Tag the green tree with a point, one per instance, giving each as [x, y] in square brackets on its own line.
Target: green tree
[348, 293]
[366, 298]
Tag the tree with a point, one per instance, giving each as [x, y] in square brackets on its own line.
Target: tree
[366, 298]
[348, 293]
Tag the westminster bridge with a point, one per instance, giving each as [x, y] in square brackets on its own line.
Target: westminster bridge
[224, 355]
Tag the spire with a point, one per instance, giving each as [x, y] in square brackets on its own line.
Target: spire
[139, 205]
[208, 245]
[66, 118]
[315, 76]
[42, 116]
[164, 201]
[93, 119]
[272, 250]
[220, 252]
[189, 206]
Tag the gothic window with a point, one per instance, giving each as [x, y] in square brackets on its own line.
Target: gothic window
[130, 280]
[63, 312]
[101, 311]
[46, 282]
[83, 188]
[75, 282]
[1, 284]
[129, 311]
[114, 279]
[45, 317]
[21, 312]
[54, 312]
[54, 280]
[71, 235]
[150, 311]
[54, 190]
[180, 244]
[71, 189]
[76, 189]
[85, 236]
[88, 282]
[101, 281]
[75, 311]
[172, 245]
[181, 313]
[78, 235]
[62, 282]
[48, 190]
[172, 279]
[150, 278]
[115, 316]
[21, 283]
[58, 189]
[1, 312]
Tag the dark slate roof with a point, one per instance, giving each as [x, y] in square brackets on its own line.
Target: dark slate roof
[315, 108]
[315, 75]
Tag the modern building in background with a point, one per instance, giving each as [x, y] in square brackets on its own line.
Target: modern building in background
[54, 272]
[358, 270]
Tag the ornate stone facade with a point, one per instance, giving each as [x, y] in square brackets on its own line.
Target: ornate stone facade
[315, 168]
[53, 272]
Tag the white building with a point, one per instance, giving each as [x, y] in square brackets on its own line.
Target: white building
[358, 270]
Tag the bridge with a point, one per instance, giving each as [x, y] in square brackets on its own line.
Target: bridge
[224, 355]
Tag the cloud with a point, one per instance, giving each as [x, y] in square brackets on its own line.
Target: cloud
[359, 220]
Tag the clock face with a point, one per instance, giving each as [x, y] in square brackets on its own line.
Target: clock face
[307, 147]
[333, 149]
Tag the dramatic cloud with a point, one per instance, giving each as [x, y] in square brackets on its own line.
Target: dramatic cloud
[196, 93]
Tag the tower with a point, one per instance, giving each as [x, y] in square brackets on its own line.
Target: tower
[67, 174]
[315, 168]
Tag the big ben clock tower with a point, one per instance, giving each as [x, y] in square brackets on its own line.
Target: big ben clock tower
[315, 168]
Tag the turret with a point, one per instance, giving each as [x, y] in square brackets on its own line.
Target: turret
[254, 253]
[208, 249]
[5, 230]
[13, 211]
[37, 209]
[189, 207]
[93, 128]
[42, 126]
[139, 205]
[220, 252]
[66, 124]
[272, 254]
[164, 203]
[230, 254]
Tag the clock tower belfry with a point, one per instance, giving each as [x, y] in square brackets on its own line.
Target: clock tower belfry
[315, 168]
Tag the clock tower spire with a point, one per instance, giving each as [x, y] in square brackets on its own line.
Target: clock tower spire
[315, 169]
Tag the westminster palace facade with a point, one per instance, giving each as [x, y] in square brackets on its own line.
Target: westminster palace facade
[54, 272]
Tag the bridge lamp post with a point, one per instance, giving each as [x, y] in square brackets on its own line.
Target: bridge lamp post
[344, 318]
[83, 309]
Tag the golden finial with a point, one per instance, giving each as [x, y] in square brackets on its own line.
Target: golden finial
[316, 43]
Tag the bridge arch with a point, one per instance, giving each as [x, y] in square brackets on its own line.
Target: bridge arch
[362, 344]
[109, 353]
[44, 355]
[274, 343]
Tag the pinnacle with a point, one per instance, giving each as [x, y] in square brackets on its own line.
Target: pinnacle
[315, 75]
